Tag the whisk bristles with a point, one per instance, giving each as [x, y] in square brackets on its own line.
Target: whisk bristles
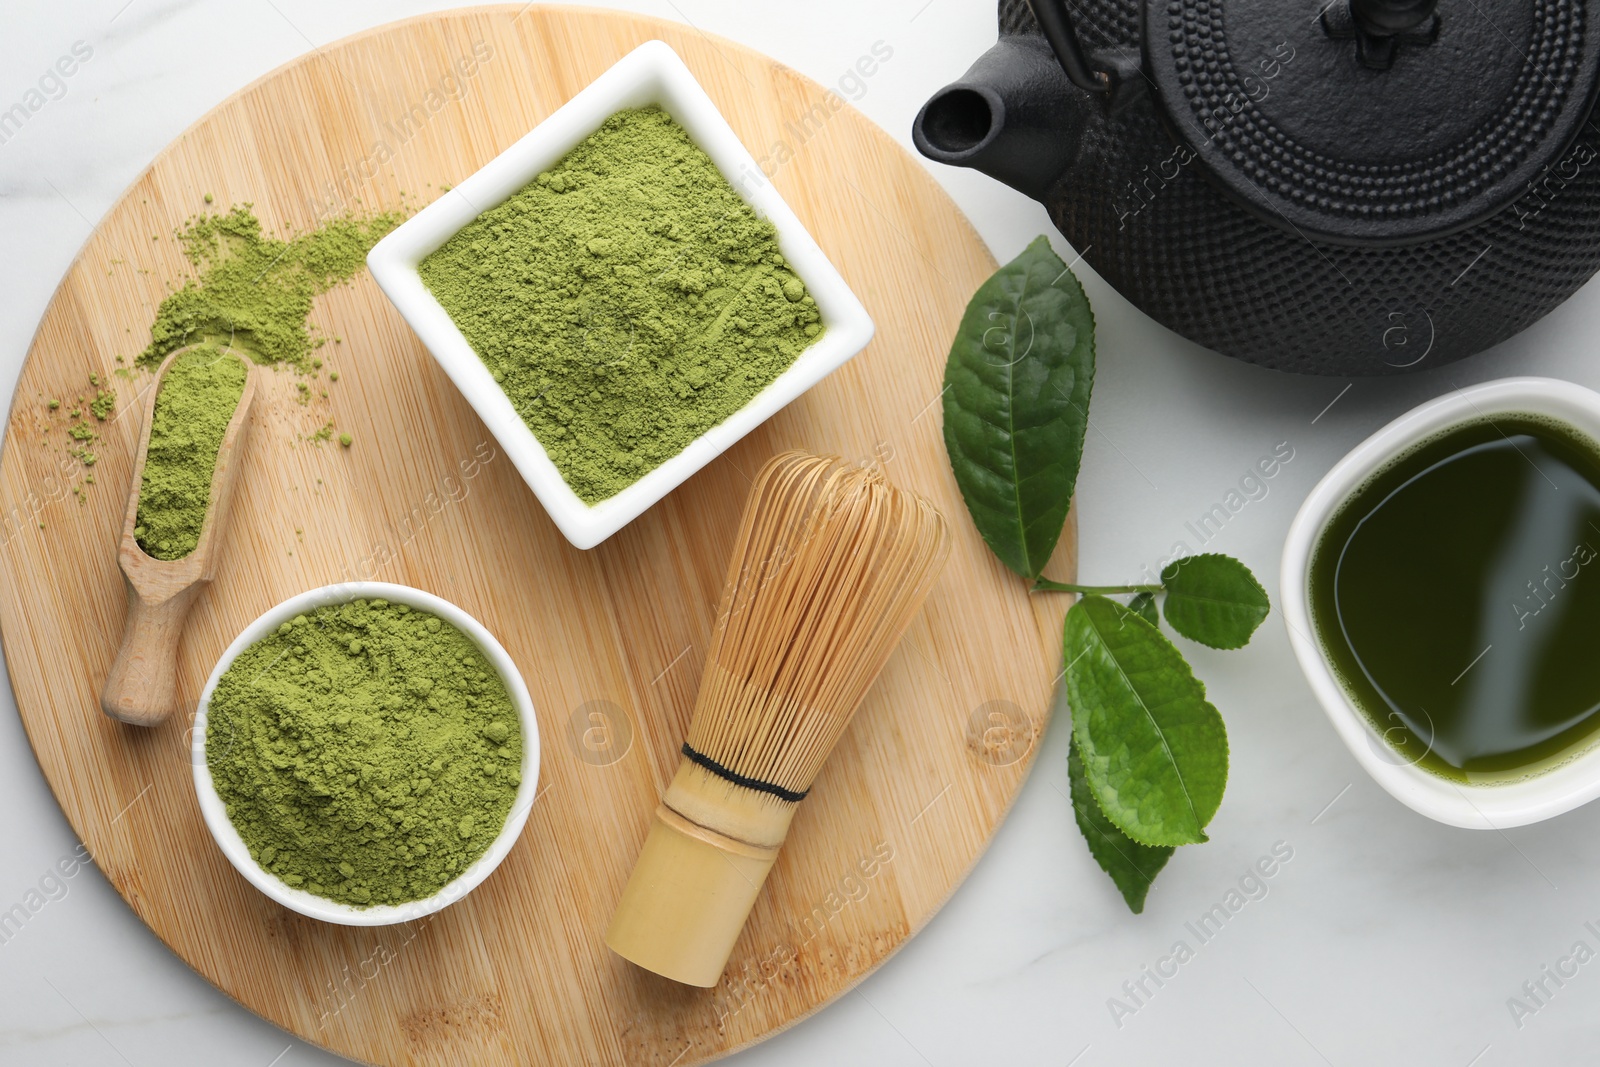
[830, 566]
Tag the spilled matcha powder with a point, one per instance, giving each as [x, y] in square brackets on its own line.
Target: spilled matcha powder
[103, 404]
[366, 752]
[254, 292]
[627, 300]
[196, 401]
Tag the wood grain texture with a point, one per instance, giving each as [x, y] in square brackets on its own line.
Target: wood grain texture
[609, 640]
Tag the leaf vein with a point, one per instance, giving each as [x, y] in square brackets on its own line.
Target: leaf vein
[1160, 734]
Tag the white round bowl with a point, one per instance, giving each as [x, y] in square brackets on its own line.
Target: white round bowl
[233, 846]
[1489, 806]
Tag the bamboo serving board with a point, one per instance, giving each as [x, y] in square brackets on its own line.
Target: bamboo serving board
[610, 641]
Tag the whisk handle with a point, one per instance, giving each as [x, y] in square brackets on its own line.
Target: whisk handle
[687, 900]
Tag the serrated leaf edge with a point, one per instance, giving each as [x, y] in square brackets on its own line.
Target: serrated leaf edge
[1213, 600]
[1097, 787]
[1033, 570]
[1077, 817]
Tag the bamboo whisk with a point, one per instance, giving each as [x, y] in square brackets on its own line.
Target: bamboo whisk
[830, 566]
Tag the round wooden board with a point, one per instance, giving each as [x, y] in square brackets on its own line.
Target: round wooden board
[517, 972]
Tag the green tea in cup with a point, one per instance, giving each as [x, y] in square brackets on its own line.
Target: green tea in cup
[1457, 595]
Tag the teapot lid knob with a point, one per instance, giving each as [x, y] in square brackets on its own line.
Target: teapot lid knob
[1374, 121]
[1388, 18]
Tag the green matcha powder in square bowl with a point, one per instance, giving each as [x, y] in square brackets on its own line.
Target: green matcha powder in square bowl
[365, 753]
[621, 295]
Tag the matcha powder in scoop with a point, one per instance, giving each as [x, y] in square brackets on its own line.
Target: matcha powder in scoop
[196, 402]
[627, 300]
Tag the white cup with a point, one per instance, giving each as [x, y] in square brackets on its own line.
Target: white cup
[1490, 805]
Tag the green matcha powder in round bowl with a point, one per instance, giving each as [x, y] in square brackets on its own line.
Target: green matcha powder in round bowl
[366, 752]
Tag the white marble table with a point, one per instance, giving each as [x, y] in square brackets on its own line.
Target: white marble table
[1385, 939]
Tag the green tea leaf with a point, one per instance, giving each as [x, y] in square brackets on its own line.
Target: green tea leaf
[1016, 404]
[1154, 751]
[1144, 606]
[1132, 866]
[1215, 600]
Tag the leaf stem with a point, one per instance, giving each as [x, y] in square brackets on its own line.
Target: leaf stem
[1045, 585]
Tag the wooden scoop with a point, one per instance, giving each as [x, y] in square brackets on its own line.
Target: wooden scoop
[142, 687]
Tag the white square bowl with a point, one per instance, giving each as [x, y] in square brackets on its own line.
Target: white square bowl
[650, 74]
[1491, 805]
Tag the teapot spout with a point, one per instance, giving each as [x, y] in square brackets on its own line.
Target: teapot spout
[1013, 116]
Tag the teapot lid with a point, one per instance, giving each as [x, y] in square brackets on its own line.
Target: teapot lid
[1375, 121]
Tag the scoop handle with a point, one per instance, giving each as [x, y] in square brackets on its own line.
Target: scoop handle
[142, 687]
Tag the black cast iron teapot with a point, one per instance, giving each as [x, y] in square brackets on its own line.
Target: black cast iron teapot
[1349, 187]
